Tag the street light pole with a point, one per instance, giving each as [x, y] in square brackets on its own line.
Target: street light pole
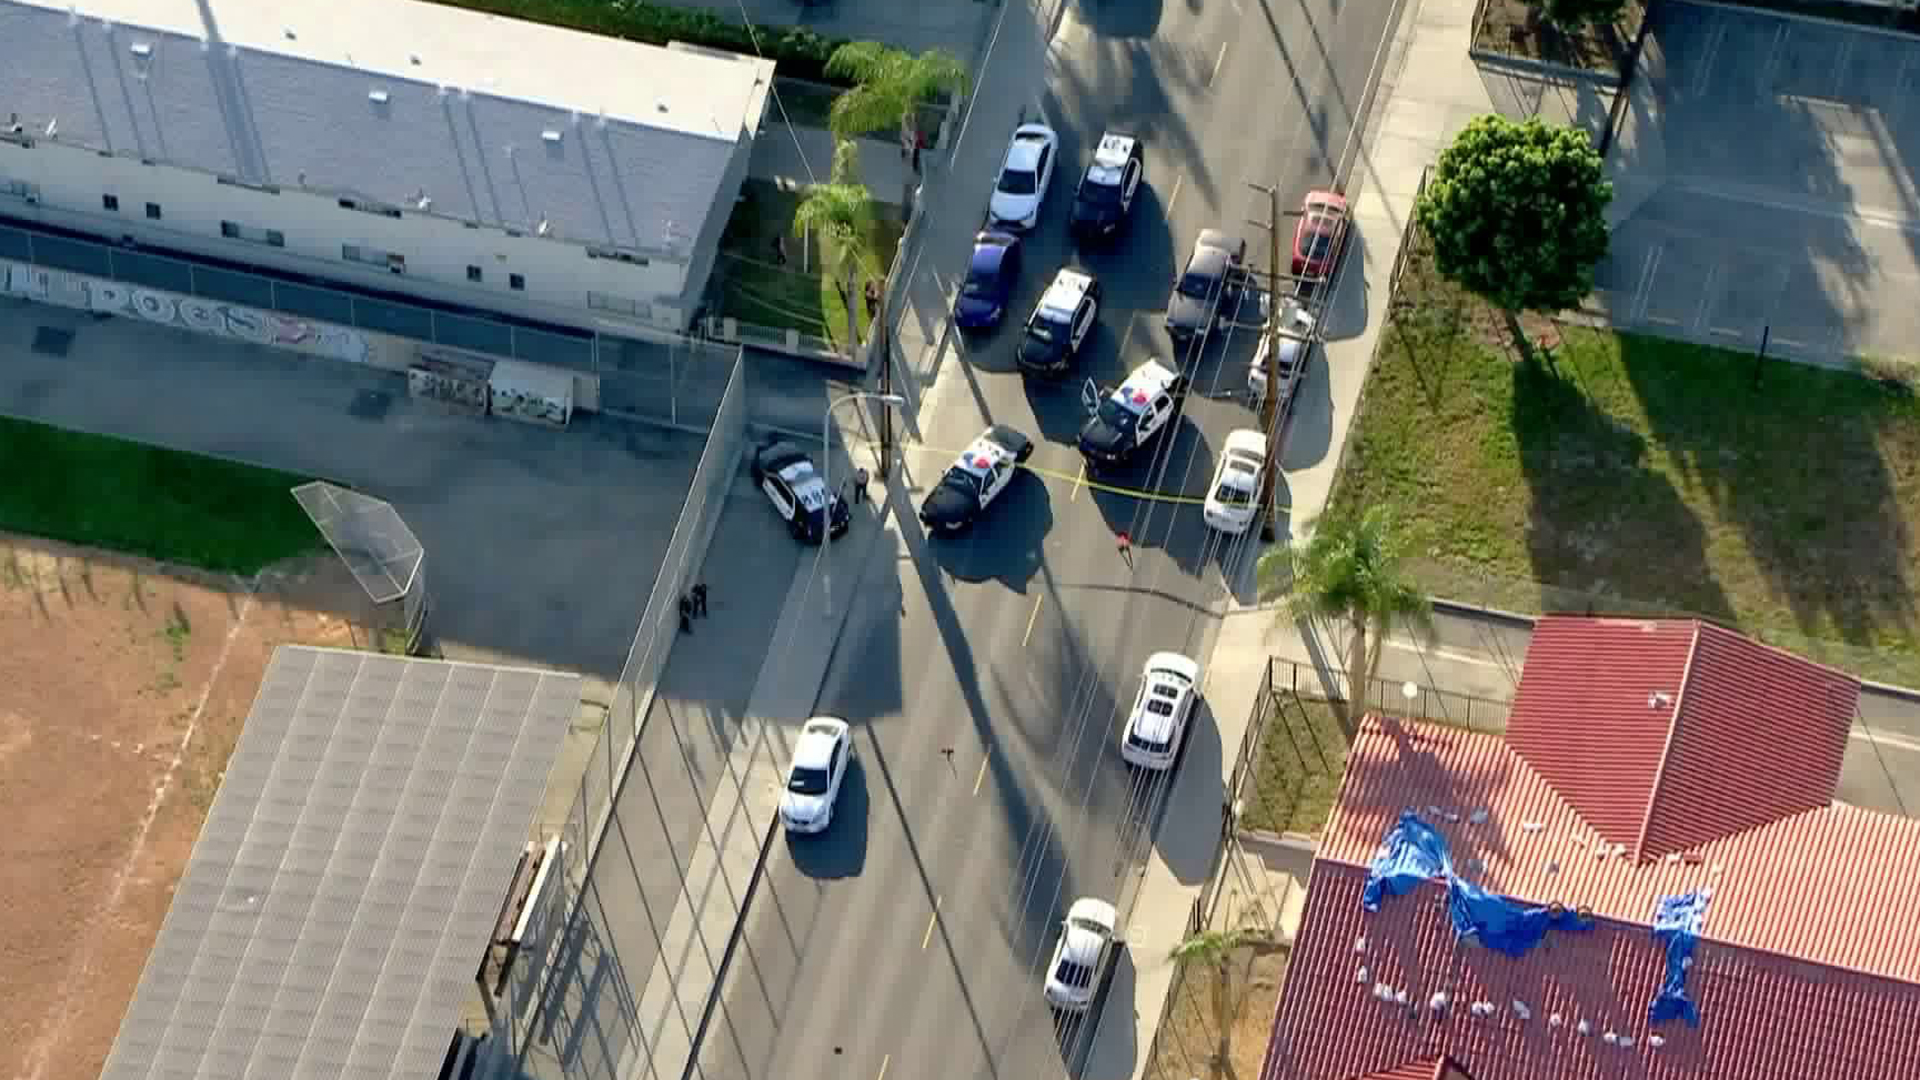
[891, 401]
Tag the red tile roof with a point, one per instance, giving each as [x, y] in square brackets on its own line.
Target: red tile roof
[1427, 1068]
[1809, 964]
[1664, 735]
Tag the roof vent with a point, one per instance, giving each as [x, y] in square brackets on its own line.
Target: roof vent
[1360, 944]
[378, 97]
[290, 35]
[141, 50]
[1659, 699]
[660, 105]
[601, 121]
[1520, 1010]
[423, 204]
[543, 228]
[1656, 1041]
[1438, 1002]
[414, 59]
[1583, 1028]
[1556, 1020]
[1361, 975]
[551, 137]
[53, 127]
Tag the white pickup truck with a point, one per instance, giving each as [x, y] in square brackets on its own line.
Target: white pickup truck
[1296, 340]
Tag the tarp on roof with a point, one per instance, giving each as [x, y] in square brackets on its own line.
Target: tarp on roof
[1677, 923]
[1414, 852]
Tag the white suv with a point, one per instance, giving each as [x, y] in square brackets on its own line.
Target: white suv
[1157, 725]
[1081, 956]
[1231, 500]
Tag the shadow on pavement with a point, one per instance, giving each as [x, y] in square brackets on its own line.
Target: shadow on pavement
[1309, 426]
[1193, 795]
[1119, 18]
[1136, 265]
[840, 851]
[1111, 1016]
[1005, 545]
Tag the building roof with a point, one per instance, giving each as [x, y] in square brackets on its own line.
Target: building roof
[1417, 1069]
[395, 101]
[1643, 744]
[1800, 971]
[343, 889]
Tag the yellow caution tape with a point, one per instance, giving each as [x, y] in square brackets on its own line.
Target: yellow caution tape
[1143, 494]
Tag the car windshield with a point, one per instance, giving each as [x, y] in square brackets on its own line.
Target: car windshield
[1042, 330]
[1018, 182]
[809, 781]
[978, 283]
[1078, 976]
[1197, 285]
[1100, 194]
[1233, 496]
[1115, 415]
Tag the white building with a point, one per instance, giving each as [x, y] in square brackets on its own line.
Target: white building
[417, 148]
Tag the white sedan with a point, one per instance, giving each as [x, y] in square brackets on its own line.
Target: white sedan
[1236, 484]
[1024, 176]
[813, 780]
[1158, 723]
[1081, 956]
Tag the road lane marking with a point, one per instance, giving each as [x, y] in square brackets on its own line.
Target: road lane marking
[1172, 196]
[1217, 61]
[1032, 619]
[925, 941]
[982, 777]
[884, 1062]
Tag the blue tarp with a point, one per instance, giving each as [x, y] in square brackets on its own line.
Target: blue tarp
[1677, 922]
[1414, 852]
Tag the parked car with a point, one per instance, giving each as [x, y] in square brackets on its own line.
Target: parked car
[814, 778]
[991, 273]
[1061, 323]
[1129, 418]
[1022, 186]
[975, 479]
[1213, 272]
[1105, 195]
[1296, 345]
[1157, 724]
[798, 493]
[1232, 498]
[1081, 955]
[1320, 236]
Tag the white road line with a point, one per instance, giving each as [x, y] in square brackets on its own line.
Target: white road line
[1644, 287]
[1217, 61]
[1705, 310]
[1445, 654]
[1172, 195]
[1882, 739]
[1661, 319]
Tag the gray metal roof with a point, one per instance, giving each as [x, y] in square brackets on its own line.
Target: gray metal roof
[494, 121]
[343, 889]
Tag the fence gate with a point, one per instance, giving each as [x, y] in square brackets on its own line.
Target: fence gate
[383, 554]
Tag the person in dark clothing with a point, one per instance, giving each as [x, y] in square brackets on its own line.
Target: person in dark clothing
[780, 250]
[686, 615]
[700, 599]
[873, 298]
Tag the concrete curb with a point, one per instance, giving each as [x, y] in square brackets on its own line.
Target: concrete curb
[1290, 841]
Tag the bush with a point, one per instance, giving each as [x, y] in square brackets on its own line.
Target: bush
[798, 53]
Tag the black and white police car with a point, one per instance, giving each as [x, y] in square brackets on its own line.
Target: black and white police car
[1129, 418]
[1060, 323]
[1106, 191]
[976, 478]
[786, 476]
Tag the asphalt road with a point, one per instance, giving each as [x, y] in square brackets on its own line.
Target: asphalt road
[985, 674]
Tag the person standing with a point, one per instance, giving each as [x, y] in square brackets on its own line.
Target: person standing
[700, 599]
[1124, 544]
[686, 614]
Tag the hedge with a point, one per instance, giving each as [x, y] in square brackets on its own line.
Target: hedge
[799, 53]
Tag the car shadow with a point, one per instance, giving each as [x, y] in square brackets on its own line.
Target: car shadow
[1080, 1036]
[1308, 434]
[1187, 822]
[1005, 544]
[1120, 18]
[840, 851]
[1344, 313]
[1135, 265]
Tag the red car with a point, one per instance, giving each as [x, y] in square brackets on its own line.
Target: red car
[1319, 237]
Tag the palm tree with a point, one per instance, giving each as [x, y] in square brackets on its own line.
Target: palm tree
[1348, 572]
[889, 87]
[840, 211]
[1213, 949]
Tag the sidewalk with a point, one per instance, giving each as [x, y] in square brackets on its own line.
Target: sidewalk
[1429, 89]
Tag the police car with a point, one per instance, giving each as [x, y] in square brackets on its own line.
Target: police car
[1105, 194]
[786, 476]
[1060, 324]
[1130, 417]
[976, 478]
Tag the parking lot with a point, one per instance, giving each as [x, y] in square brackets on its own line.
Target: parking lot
[541, 546]
[1788, 206]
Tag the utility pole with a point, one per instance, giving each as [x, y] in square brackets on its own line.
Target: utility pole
[1270, 401]
[882, 342]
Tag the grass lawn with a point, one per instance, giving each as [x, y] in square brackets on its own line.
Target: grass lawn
[1296, 778]
[1194, 1042]
[758, 291]
[144, 500]
[1640, 475]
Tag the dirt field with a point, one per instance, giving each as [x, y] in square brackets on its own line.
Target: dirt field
[123, 688]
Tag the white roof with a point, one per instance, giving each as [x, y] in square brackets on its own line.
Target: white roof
[807, 484]
[1248, 442]
[982, 455]
[1163, 662]
[1063, 297]
[1142, 385]
[1109, 158]
[1027, 141]
[397, 101]
[815, 747]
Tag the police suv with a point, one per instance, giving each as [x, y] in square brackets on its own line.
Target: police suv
[1105, 194]
[1132, 416]
[798, 493]
[1060, 324]
[975, 479]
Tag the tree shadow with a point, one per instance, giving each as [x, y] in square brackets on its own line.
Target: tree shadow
[1120, 18]
[1137, 85]
[1135, 265]
[1800, 468]
[840, 851]
[1600, 512]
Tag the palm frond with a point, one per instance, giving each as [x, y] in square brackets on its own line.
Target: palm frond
[888, 83]
[867, 108]
[864, 61]
[1213, 946]
[1349, 571]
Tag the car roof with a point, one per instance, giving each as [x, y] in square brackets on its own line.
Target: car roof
[1330, 200]
[1024, 151]
[981, 454]
[1247, 441]
[1142, 385]
[1225, 242]
[1088, 907]
[1110, 158]
[814, 749]
[1207, 259]
[1063, 297]
[1174, 662]
[778, 455]
[987, 254]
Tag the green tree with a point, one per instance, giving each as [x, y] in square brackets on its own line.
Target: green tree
[889, 86]
[1517, 214]
[1214, 950]
[1347, 574]
[840, 212]
[1570, 16]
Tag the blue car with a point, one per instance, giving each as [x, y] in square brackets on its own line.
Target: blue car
[991, 272]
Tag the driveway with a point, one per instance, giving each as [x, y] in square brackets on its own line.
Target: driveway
[1779, 154]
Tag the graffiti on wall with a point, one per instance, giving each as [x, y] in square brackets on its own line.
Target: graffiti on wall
[186, 312]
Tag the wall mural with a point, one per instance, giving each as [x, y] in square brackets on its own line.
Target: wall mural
[187, 312]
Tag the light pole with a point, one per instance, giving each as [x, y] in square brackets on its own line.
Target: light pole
[826, 476]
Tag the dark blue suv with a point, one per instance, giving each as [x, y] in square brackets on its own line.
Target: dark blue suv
[991, 273]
